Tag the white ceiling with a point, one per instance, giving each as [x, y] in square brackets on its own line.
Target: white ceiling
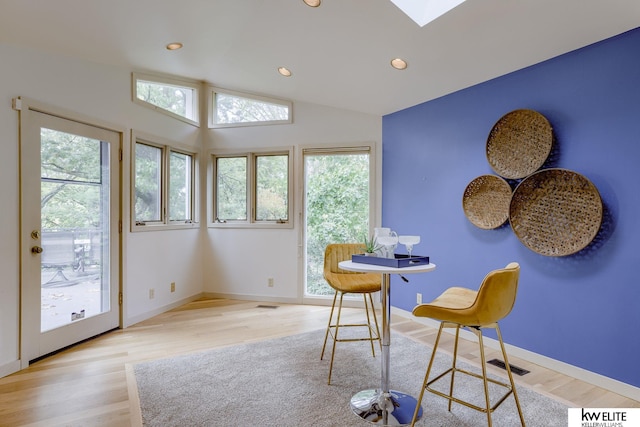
[339, 52]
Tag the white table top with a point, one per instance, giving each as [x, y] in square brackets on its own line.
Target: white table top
[373, 268]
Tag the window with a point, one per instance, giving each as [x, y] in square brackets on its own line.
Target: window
[252, 189]
[180, 186]
[337, 205]
[174, 97]
[231, 188]
[230, 109]
[163, 186]
[272, 173]
[148, 183]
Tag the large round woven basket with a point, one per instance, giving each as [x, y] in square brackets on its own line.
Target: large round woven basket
[486, 201]
[556, 212]
[519, 144]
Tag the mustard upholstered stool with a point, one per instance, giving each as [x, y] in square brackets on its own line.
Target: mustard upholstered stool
[348, 282]
[460, 307]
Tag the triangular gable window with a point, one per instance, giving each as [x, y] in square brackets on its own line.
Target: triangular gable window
[238, 109]
[174, 97]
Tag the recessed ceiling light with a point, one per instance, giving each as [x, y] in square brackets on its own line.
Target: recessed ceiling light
[399, 63]
[174, 46]
[312, 3]
[284, 71]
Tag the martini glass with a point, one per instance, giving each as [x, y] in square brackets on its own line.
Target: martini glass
[389, 243]
[409, 241]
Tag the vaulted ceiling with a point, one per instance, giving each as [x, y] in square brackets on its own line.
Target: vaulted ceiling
[339, 53]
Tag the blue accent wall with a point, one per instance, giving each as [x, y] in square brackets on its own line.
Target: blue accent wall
[582, 309]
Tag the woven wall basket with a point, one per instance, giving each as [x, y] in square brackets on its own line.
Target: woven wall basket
[486, 201]
[556, 212]
[519, 144]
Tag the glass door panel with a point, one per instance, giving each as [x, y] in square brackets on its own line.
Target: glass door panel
[336, 189]
[75, 282]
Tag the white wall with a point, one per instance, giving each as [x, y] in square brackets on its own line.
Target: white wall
[238, 262]
[231, 262]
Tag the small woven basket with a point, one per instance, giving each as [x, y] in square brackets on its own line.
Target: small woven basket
[486, 201]
[556, 212]
[519, 144]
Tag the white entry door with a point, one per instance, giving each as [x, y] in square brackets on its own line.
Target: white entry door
[70, 212]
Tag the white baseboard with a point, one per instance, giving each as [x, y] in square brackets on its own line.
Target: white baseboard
[243, 297]
[593, 378]
[349, 300]
[130, 321]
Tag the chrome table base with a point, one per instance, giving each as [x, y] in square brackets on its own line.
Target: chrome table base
[393, 408]
[384, 406]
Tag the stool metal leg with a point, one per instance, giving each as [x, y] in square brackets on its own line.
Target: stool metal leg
[508, 368]
[453, 366]
[366, 309]
[483, 363]
[426, 375]
[374, 335]
[326, 335]
[335, 337]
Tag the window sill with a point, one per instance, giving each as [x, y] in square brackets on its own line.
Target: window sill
[260, 225]
[161, 227]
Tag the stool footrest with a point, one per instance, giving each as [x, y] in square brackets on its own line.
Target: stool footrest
[375, 337]
[463, 402]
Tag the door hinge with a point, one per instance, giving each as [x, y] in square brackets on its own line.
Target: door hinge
[120, 226]
[120, 298]
[16, 104]
[120, 154]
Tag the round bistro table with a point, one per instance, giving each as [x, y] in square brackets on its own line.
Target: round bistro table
[383, 406]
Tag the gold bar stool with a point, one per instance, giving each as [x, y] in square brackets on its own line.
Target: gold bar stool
[348, 282]
[465, 308]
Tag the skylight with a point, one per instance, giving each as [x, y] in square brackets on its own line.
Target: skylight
[425, 11]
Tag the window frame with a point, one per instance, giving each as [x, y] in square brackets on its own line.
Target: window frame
[170, 81]
[251, 221]
[192, 184]
[167, 148]
[212, 108]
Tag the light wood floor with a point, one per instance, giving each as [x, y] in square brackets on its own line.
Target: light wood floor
[86, 385]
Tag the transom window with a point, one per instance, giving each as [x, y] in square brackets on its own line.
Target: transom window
[252, 189]
[229, 109]
[174, 97]
[163, 183]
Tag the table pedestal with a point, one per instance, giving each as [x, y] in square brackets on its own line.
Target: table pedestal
[383, 406]
[392, 408]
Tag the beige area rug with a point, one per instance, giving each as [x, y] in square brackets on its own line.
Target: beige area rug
[282, 382]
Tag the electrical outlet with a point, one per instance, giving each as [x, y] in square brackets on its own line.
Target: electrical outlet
[270, 282]
[152, 293]
[418, 298]
[173, 286]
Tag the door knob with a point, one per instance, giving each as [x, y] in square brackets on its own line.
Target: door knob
[36, 249]
[35, 234]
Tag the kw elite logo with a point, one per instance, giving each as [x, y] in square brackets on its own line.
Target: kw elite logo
[604, 417]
